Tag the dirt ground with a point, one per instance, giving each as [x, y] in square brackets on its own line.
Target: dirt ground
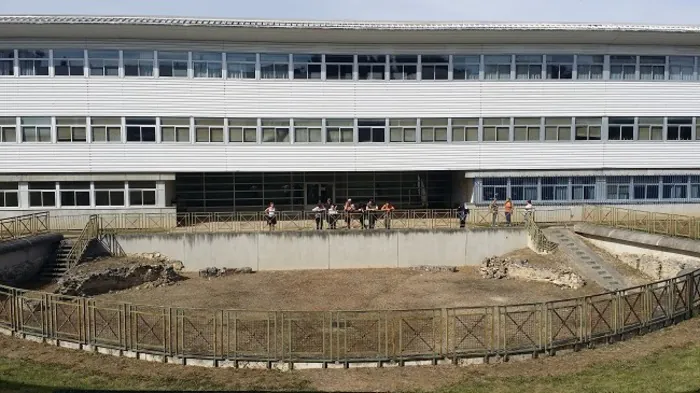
[386, 379]
[314, 290]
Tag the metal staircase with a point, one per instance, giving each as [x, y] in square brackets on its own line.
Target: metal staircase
[71, 250]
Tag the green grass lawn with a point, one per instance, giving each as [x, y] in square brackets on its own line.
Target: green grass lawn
[671, 370]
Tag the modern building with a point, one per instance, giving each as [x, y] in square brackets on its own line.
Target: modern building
[151, 114]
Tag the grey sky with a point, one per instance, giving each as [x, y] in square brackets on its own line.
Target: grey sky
[640, 11]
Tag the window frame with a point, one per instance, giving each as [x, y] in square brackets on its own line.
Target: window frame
[242, 62]
[466, 63]
[649, 125]
[341, 126]
[431, 126]
[280, 64]
[621, 129]
[8, 125]
[588, 123]
[4, 60]
[674, 123]
[44, 190]
[403, 130]
[587, 185]
[524, 186]
[172, 62]
[143, 61]
[242, 126]
[655, 65]
[76, 191]
[499, 62]
[554, 64]
[74, 127]
[36, 130]
[143, 188]
[70, 60]
[497, 129]
[374, 128]
[614, 187]
[111, 190]
[559, 187]
[98, 124]
[172, 128]
[494, 186]
[335, 63]
[371, 62]
[306, 68]
[680, 66]
[402, 65]
[467, 126]
[102, 56]
[554, 124]
[7, 189]
[207, 65]
[34, 59]
[307, 126]
[627, 65]
[280, 128]
[432, 63]
[533, 64]
[530, 125]
[138, 122]
[592, 66]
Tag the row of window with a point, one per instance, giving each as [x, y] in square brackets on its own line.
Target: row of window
[81, 194]
[591, 188]
[183, 64]
[253, 130]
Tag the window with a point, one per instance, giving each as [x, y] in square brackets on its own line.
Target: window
[403, 67]
[42, 194]
[109, 193]
[618, 188]
[339, 67]
[371, 67]
[497, 66]
[433, 130]
[402, 130]
[103, 62]
[435, 67]
[623, 67]
[33, 62]
[138, 63]
[560, 66]
[242, 130]
[71, 129]
[9, 194]
[695, 187]
[142, 193]
[339, 130]
[494, 187]
[307, 66]
[36, 129]
[588, 128]
[75, 193]
[308, 130]
[528, 66]
[140, 129]
[465, 130]
[370, 130]
[646, 187]
[555, 188]
[680, 128]
[523, 188]
[652, 68]
[274, 66]
[583, 188]
[589, 67]
[69, 62]
[675, 187]
[209, 65]
[275, 130]
[106, 129]
[527, 129]
[681, 68]
[175, 129]
[557, 129]
[497, 129]
[621, 128]
[209, 130]
[172, 64]
[651, 128]
[8, 129]
[7, 62]
[242, 66]
[466, 67]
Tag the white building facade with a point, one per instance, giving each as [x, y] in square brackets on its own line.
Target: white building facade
[164, 114]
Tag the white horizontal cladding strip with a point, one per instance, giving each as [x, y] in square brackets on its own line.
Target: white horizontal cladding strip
[38, 96]
[160, 158]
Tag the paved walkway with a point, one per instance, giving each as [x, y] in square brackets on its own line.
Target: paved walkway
[587, 261]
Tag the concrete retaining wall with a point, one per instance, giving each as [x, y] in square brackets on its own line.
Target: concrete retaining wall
[329, 249]
[22, 259]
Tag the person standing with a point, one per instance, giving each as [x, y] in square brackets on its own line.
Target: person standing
[493, 209]
[371, 213]
[508, 209]
[388, 210]
[271, 216]
[349, 208]
[332, 216]
[462, 214]
[529, 210]
[319, 209]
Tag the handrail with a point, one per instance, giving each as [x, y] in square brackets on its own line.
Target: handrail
[668, 224]
[89, 232]
[541, 243]
[24, 225]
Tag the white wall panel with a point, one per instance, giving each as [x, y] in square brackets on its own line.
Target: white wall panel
[204, 97]
[169, 158]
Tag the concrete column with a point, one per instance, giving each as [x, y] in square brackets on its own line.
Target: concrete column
[161, 198]
[24, 195]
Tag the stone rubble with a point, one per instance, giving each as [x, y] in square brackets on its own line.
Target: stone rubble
[160, 259]
[498, 268]
[141, 275]
[434, 269]
[214, 272]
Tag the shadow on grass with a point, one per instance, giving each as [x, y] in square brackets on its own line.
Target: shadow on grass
[13, 387]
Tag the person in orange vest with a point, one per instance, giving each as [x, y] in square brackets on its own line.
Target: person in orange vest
[508, 209]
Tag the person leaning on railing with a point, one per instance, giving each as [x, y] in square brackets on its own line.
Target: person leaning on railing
[529, 212]
[319, 211]
[462, 214]
[332, 215]
[388, 211]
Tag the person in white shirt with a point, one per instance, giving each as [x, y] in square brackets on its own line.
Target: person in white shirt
[271, 216]
[529, 211]
[319, 209]
[332, 215]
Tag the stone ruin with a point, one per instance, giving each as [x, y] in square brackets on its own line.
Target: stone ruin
[498, 268]
[434, 269]
[144, 271]
[214, 272]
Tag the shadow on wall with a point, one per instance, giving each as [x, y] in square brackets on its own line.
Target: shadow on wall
[22, 259]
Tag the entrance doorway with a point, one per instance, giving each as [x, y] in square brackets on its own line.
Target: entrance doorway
[318, 192]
